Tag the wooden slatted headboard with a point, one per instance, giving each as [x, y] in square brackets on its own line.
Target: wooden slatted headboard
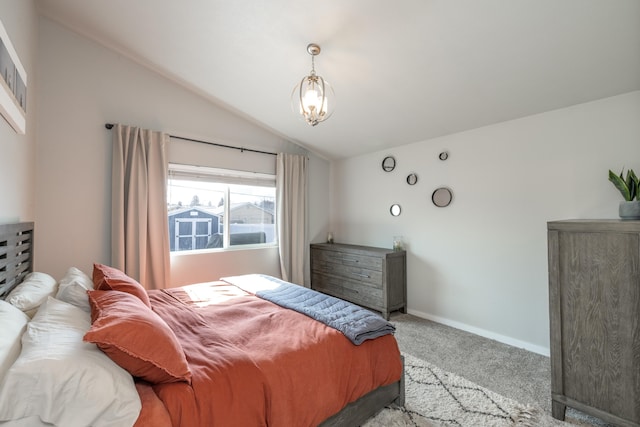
[16, 254]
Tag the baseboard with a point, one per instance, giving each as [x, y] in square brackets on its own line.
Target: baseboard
[483, 333]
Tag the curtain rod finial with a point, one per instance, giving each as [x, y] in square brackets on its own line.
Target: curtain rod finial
[108, 125]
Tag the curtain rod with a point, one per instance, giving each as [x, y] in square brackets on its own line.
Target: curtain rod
[242, 149]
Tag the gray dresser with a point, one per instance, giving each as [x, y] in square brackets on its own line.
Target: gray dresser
[594, 297]
[375, 278]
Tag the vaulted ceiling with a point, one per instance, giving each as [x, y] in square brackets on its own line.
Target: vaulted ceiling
[403, 71]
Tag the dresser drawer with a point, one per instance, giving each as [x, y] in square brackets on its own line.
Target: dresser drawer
[353, 291]
[349, 259]
[370, 277]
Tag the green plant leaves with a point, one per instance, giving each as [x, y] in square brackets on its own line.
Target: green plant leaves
[633, 184]
[621, 184]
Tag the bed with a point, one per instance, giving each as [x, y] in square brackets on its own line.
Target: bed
[218, 353]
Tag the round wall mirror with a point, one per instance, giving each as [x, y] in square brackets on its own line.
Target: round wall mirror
[412, 179]
[442, 197]
[388, 164]
[395, 209]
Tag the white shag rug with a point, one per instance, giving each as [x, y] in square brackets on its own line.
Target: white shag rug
[438, 398]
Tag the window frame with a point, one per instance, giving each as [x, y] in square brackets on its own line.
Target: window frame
[227, 178]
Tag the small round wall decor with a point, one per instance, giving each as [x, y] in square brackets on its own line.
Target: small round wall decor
[412, 179]
[442, 197]
[388, 164]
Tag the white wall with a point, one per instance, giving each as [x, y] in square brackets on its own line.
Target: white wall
[83, 85]
[17, 152]
[481, 263]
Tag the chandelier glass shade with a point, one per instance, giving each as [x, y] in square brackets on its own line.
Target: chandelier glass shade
[313, 98]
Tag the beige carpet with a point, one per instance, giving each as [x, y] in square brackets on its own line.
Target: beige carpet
[511, 372]
[435, 397]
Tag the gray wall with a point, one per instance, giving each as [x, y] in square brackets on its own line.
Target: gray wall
[481, 263]
[17, 152]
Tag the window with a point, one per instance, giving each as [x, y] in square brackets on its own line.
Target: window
[212, 208]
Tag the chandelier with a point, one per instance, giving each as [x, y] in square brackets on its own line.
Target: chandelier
[312, 97]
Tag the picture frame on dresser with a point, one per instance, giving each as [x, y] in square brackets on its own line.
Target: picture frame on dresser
[372, 277]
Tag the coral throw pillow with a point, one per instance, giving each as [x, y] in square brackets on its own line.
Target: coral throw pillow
[107, 278]
[136, 338]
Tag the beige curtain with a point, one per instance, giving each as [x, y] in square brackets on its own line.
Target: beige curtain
[291, 196]
[139, 230]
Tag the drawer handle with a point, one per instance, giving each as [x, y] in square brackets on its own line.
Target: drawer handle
[366, 276]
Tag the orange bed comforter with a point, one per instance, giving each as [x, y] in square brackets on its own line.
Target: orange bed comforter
[254, 363]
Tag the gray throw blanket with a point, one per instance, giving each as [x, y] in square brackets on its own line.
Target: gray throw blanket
[355, 322]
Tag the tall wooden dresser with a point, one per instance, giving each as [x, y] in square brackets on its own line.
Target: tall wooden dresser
[594, 297]
[375, 278]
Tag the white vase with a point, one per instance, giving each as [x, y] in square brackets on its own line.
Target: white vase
[629, 210]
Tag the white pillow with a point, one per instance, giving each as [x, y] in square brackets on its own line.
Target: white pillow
[73, 289]
[33, 291]
[14, 322]
[64, 380]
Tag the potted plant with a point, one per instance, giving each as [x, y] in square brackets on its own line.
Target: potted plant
[629, 187]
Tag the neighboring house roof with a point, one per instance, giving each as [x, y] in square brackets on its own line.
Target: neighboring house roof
[219, 210]
[193, 208]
